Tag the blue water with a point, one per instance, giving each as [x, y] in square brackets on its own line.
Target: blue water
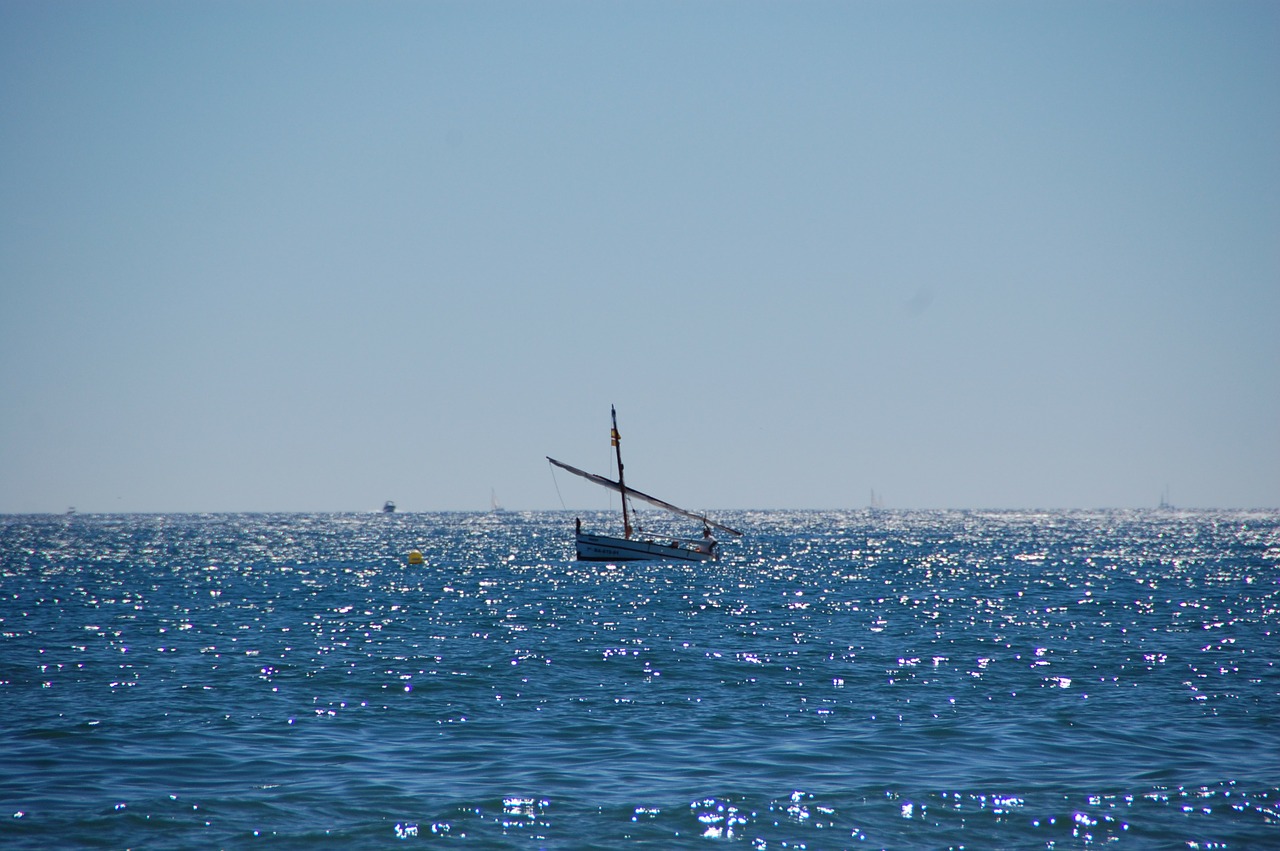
[840, 680]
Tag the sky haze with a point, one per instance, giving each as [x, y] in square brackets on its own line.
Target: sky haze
[313, 256]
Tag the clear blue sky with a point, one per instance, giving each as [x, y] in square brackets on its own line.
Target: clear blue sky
[313, 256]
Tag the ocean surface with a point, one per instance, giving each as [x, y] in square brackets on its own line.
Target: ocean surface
[899, 680]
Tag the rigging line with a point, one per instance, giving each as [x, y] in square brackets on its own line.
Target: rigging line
[637, 525]
[610, 464]
[556, 482]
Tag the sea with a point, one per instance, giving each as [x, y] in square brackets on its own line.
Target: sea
[839, 679]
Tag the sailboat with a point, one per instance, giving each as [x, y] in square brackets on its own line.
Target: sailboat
[591, 547]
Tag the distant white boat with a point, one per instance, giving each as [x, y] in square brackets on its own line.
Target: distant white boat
[592, 547]
[494, 505]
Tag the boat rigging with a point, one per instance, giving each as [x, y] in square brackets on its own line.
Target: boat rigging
[591, 547]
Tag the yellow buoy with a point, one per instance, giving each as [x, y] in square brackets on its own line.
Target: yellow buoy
[415, 557]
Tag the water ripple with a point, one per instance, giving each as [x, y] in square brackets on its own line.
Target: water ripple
[840, 679]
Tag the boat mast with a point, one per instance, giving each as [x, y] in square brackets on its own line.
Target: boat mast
[616, 440]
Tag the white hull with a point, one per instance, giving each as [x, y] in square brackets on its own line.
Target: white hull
[605, 548]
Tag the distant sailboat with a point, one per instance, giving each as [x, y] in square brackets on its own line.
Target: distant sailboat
[1165, 505]
[592, 547]
[494, 505]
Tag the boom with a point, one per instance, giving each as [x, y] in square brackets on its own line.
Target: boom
[652, 500]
